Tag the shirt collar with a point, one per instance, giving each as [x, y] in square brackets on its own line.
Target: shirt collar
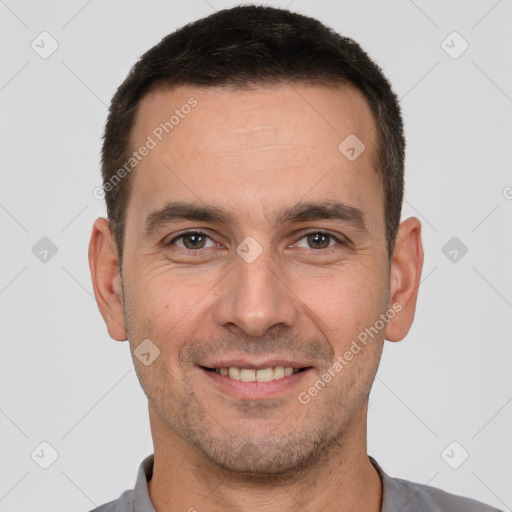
[141, 500]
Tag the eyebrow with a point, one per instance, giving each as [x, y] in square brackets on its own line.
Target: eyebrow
[300, 212]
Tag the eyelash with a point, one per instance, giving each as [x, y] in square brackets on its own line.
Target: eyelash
[203, 233]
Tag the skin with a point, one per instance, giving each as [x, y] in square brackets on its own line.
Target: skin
[254, 152]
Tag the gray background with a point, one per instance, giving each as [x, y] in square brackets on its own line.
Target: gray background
[65, 382]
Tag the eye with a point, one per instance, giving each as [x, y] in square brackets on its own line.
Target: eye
[192, 240]
[319, 240]
[197, 239]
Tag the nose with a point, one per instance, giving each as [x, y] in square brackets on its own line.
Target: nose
[254, 297]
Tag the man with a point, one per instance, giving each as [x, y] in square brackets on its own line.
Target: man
[255, 260]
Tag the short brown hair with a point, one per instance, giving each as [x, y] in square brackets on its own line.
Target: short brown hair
[254, 45]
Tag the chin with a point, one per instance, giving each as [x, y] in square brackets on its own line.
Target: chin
[266, 458]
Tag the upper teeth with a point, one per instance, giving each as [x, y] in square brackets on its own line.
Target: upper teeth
[253, 375]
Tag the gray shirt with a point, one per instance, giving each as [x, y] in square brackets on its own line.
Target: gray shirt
[398, 496]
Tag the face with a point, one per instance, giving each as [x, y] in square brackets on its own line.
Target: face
[254, 243]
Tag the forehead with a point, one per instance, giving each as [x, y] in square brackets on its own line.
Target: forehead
[277, 143]
[256, 115]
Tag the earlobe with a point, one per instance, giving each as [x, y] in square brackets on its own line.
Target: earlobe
[406, 267]
[106, 280]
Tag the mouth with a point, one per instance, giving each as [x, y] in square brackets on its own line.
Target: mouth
[263, 378]
[247, 374]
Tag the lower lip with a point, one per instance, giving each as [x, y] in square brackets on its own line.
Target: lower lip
[257, 390]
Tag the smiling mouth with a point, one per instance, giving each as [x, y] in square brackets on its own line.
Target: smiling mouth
[256, 375]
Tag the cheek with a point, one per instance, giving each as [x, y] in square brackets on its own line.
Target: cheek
[161, 309]
[165, 305]
[350, 306]
[346, 301]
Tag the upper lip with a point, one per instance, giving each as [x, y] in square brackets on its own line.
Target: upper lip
[257, 364]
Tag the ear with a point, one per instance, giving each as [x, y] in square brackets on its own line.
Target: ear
[406, 266]
[106, 279]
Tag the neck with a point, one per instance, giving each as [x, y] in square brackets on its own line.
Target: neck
[340, 478]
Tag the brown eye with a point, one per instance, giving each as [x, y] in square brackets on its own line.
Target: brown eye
[319, 240]
[191, 240]
[194, 241]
